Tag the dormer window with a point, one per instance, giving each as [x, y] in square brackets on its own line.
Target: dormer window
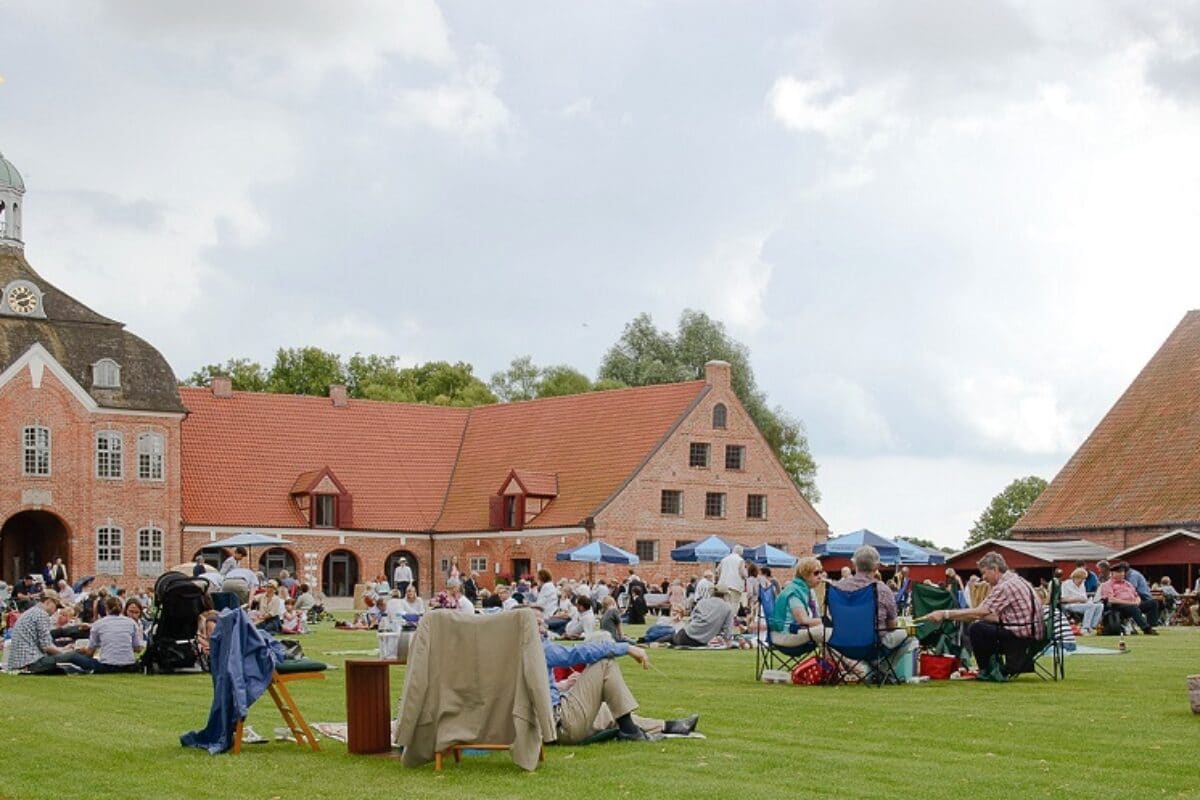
[719, 416]
[106, 374]
[522, 496]
[325, 511]
[322, 500]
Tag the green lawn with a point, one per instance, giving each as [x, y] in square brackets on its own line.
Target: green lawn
[1120, 721]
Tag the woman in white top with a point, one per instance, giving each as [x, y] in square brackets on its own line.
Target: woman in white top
[411, 603]
[1075, 600]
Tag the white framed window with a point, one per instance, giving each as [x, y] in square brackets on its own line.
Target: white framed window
[109, 455]
[325, 511]
[756, 506]
[150, 451]
[106, 374]
[35, 441]
[478, 564]
[719, 416]
[714, 505]
[108, 549]
[671, 502]
[149, 551]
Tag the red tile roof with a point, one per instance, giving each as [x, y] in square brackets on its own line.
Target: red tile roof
[417, 467]
[243, 455]
[1141, 465]
[593, 442]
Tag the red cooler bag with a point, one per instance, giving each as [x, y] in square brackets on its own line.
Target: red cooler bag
[938, 668]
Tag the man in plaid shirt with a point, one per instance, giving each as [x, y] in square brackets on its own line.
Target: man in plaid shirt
[1010, 612]
[31, 645]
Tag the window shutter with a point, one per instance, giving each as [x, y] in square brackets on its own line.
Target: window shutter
[345, 511]
[520, 512]
[496, 512]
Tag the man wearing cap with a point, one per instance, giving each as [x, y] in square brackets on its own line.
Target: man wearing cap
[402, 576]
[32, 647]
[1119, 595]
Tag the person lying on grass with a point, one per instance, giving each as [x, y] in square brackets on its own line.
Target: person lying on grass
[595, 700]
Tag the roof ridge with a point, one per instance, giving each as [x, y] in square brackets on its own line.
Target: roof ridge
[593, 393]
[462, 438]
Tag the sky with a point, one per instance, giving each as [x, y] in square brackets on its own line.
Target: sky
[950, 233]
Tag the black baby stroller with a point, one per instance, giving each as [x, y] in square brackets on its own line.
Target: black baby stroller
[178, 602]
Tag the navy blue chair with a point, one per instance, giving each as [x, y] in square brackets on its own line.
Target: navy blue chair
[769, 655]
[855, 636]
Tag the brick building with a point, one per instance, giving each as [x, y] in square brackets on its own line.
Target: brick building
[89, 428]
[1135, 477]
[355, 484]
[106, 463]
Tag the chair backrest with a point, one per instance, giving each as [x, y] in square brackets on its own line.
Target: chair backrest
[854, 620]
[926, 598]
[766, 607]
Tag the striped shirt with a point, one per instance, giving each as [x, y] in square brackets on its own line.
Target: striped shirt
[1014, 603]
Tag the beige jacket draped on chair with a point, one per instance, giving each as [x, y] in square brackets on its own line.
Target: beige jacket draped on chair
[475, 678]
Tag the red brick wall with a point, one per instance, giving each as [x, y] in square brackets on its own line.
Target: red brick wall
[82, 501]
[635, 513]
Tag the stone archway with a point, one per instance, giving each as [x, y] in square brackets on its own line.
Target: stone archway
[275, 559]
[394, 558]
[339, 573]
[29, 539]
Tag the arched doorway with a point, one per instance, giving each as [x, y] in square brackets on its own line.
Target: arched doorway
[213, 556]
[394, 558]
[339, 573]
[31, 538]
[276, 559]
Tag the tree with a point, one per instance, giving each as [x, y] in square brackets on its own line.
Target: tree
[246, 375]
[562, 380]
[518, 382]
[444, 384]
[926, 543]
[305, 370]
[1006, 508]
[645, 355]
[371, 376]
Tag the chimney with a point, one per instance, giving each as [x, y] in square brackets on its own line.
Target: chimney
[222, 386]
[717, 374]
[337, 393]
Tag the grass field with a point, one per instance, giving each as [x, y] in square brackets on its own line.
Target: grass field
[1118, 724]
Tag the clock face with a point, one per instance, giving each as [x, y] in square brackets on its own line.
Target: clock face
[22, 300]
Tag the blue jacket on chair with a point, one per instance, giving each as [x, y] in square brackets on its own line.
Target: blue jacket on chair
[242, 662]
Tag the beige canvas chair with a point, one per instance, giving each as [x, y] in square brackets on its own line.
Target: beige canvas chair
[475, 681]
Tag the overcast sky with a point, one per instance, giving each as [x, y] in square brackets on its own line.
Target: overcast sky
[950, 233]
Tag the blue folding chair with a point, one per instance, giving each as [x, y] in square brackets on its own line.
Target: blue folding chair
[855, 636]
[769, 655]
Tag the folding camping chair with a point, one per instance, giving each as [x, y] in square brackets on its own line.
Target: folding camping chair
[769, 655]
[1026, 655]
[855, 635]
[941, 637]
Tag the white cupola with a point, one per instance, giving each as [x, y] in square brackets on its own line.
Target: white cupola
[12, 199]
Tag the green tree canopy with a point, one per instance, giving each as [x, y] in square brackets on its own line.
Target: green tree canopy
[518, 382]
[246, 375]
[645, 355]
[1006, 508]
[305, 370]
[562, 380]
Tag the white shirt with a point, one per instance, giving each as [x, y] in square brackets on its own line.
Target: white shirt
[1073, 592]
[271, 608]
[509, 604]
[415, 607]
[402, 573]
[732, 572]
[704, 588]
[547, 597]
[583, 625]
[464, 605]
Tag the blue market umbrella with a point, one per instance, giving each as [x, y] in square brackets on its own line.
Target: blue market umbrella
[767, 556]
[889, 551]
[714, 548]
[598, 553]
[915, 554]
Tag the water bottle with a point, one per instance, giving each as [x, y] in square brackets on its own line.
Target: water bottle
[1121, 643]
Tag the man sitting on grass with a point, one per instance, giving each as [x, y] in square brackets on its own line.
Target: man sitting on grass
[712, 618]
[1119, 594]
[597, 699]
[31, 647]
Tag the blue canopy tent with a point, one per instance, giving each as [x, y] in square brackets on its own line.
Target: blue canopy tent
[714, 548]
[767, 556]
[915, 554]
[597, 553]
[845, 545]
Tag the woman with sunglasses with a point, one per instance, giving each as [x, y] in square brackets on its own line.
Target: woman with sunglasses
[795, 619]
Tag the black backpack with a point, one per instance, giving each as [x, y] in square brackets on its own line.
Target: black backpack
[1111, 623]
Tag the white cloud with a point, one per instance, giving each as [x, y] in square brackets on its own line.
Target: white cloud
[860, 118]
[466, 105]
[580, 107]
[731, 283]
